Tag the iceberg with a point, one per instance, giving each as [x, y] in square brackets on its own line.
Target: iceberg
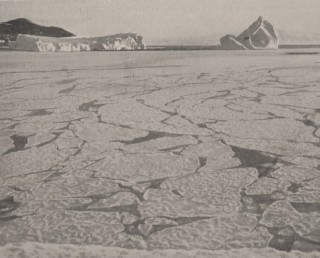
[259, 35]
[124, 41]
[230, 42]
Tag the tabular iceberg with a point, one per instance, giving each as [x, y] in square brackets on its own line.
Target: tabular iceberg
[126, 41]
[259, 35]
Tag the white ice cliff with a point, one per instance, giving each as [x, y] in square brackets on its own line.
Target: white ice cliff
[259, 35]
[128, 41]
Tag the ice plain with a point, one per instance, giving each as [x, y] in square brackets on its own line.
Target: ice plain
[161, 150]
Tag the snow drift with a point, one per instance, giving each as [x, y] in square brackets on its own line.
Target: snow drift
[127, 41]
[259, 35]
[45, 250]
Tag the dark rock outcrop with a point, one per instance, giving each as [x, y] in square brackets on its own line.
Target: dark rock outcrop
[11, 29]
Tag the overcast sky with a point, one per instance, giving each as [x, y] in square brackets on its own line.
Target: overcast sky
[166, 21]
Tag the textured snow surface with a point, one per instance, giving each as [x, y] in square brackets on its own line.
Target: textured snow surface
[160, 150]
[36, 250]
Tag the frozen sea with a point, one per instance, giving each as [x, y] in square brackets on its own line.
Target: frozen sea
[160, 153]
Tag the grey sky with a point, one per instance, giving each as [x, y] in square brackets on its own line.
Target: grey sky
[167, 21]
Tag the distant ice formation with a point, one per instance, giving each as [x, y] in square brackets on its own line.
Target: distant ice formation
[128, 41]
[259, 35]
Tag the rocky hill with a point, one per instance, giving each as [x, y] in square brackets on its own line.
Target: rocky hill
[9, 30]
